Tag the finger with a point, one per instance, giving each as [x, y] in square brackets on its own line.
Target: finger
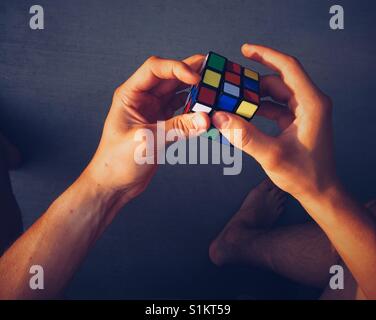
[187, 125]
[276, 112]
[288, 67]
[175, 103]
[194, 63]
[155, 70]
[178, 101]
[273, 86]
[247, 137]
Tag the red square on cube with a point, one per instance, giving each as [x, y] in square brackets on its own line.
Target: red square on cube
[233, 78]
[234, 67]
[251, 96]
[188, 106]
[207, 96]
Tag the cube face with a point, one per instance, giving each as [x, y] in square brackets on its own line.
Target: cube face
[225, 86]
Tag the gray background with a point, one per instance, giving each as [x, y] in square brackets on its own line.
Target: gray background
[56, 86]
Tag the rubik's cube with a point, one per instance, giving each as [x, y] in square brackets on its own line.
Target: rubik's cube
[224, 86]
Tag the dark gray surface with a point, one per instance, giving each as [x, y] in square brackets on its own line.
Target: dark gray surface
[56, 86]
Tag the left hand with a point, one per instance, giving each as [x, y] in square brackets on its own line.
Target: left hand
[146, 97]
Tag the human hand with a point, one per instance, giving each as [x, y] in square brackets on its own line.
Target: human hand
[300, 159]
[146, 97]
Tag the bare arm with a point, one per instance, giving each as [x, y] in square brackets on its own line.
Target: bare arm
[58, 241]
[351, 229]
[300, 160]
[61, 238]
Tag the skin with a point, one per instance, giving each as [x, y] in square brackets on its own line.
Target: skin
[300, 160]
[300, 252]
[62, 236]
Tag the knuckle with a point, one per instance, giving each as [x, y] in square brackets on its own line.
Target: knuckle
[246, 138]
[179, 126]
[275, 156]
[122, 98]
[326, 103]
[292, 62]
[152, 59]
[118, 93]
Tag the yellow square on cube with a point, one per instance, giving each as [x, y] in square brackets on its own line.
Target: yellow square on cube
[212, 78]
[251, 74]
[246, 109]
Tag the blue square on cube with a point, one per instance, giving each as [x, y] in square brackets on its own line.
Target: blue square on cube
[251, 84]
[194, 93]
[227, 103]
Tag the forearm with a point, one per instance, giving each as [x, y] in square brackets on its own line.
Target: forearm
[351, 230]
[58, 241]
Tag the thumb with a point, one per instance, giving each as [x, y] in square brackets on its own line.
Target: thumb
[243, 135]
[188, 124]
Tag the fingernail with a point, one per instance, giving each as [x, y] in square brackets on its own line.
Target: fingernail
[220, 120]
[245, 46]
[199, 122]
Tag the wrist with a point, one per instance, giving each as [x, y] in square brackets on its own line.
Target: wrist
[105, 196]
[320, 205]
[318, 189]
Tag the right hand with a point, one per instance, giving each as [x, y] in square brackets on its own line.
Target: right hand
[146, 97]
[300, 160]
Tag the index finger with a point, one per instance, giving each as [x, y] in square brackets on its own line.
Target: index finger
[156, 69]
[194, 63]
[287, 66]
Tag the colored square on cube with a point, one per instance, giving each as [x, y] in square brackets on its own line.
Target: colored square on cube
[207, 96]
[231, 89]
[226, 103]
[251, 74]
[251, 84]
[216, 62]
[224, 86]
[233, 78]
[251, 96]
[212, 78]
[198, 107]
[234, 67]
[188, 106]
[246, 109]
